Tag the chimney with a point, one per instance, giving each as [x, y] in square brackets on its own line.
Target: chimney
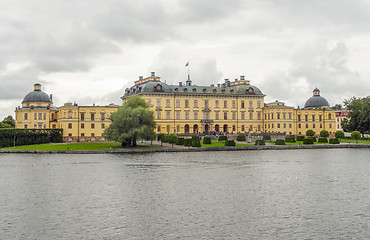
[180, 84]
[242, 78]
[226, 80]
[218, 85]
[152, 74]
[51, 97]
[236, 79]
[140, 77]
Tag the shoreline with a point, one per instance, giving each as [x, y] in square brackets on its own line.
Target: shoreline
[191, 149]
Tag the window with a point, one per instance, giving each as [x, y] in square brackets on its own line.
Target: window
[259, 127]
[284, 125]
[320, 118]
[258, 104]
[329, 116]
[217, 104]
[158, 102]
[234, 128]
[69, 134]
[158, 128]
[313, 117]
[242, 115]
[206, 115]
[225, 115]
[320, 125]
[25, 126]
[92, 134]
[168, 104]
[206, 103]
[69, 125]
[186, 103]
[272, 116]
[177, 115]
[299, 125]
[299, 118]
[178, 128]
[40, 116]
[82, 134]
[306, 117]
[92, 116]
[278, 115]
[44, 116]
[284, 115]
[259, 115]
[251, 116]
[25, 116]
[329, 124]
[82, 125]
[243, 129]
[102, 116]
[290, 125]
[217, 115]
[313, 125]
[278, 125]
[92, 125]
[306, 125]
[69, 114]
[195, 103]
[177, 103]
[195, 115]
[168, 128]
[102, 125]
[272, 125]
[290, 115]
[225, 104]
[158, 115]
[242, 105]
[167, 115]
[250, 104]
[233, 115]
[186, 115]
[233, 104]
[82, 116]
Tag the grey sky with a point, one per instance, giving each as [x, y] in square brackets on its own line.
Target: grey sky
[89, 51]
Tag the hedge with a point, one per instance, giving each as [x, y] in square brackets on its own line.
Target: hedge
[266, 137]
[229, 143]
[323, 140]
[260, 142]
[308, 141]
[207, 140]
[29, 136]
[222, 138]
[290, 138]
[241, 137]
[195, 141]
[279, 142]
[187, 141]
[334, 141]
[300, 138]
[180, 141]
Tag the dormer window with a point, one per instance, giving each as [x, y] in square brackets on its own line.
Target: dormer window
[250, 90]
[223, 90]
[215, 90]
[232, 90]
[204, 90]
[158, 88]
[194, 89]
[185, 89]
[176, 89]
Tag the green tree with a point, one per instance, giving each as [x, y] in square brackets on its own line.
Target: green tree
[324, 134]
[310, 133]
[8, 122]
[339, 134]
[358, 118]
[172, 138]
[132, 121]
[337, 107]
[356, 135]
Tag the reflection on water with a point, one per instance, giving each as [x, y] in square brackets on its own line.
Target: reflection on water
[292, 194]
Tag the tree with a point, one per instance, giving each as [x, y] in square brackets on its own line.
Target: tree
[324, 134]
[339, 134]
[356, 135]
[337, 107]
[358, 118]
[172, 138]
[310, 133]
[132, 121]
[8, 122]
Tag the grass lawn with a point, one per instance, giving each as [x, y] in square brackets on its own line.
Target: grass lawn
[76, 146]
[221, 144]
[346, 140]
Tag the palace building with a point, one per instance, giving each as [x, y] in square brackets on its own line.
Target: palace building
[232, 107]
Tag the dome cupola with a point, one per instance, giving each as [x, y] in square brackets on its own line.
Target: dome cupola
[316, 101]
[36, 95]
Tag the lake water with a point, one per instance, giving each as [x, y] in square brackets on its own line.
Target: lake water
[282, 194]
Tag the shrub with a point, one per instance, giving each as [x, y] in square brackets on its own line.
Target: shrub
[290, 138]
[260, 142]
[356, 135]
[229, 143]
[222, 138]
[334, 141]
[180, 141]
[160, 137]
[164, 138]
[313, 139]
[323, 140]
[266, 137]
[324, 134]
[241, 137]
[279, 142]
[29, 136]
[310, 133]
[300, 138]
[207, 140]
[188, 141]
[195, 141]
[172, 138]
[339, 134]
[308, 141]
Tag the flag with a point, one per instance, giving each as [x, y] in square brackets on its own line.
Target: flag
[187, 64]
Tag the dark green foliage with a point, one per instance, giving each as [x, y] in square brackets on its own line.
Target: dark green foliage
[29, 136]
[222, 138]
[324, 134]
[160, 137]
[310, 133]
[180, 141]
[260, 142]
[229, 143]
[300, 138]
[195, 141]
[241, 137]
[266, 137]
[334, 141]
[207, 140]
[165, 138]
[188, 141]
[323, 140]
[279, 142]
[290, 138]
[8, 122]
[308, 141]
[356, 135]
[358, 118]
[172, 138]
[339, 134]
[313, 139]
